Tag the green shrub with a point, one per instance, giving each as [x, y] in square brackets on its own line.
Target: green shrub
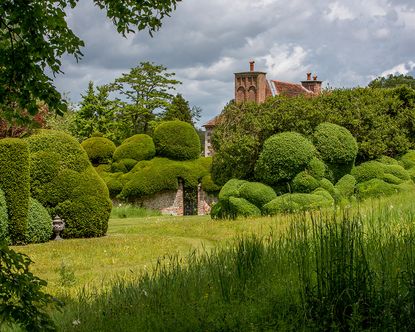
[411, 172]
[368, 170]
[376, 188]
[408, 159]
[316, 168]
[15, 182]
[71, 187]
[283, 156]
[346, 186]
[177, 140]
[129, 163]
[208, 185]
[390, 178]
[397, 171]
[329, 187]
[217, 211]
[299, 202]
[387, 160]
[39, 224]
[242, 208]
[138, 147]
[257, 193]
[4, 219]
[118, 167]
[99, 149]
[231, 188]
[114, 187]
[304, 183]
[149, 177]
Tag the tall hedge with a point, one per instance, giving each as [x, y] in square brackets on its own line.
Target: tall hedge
[39, 225]
[4, 218]
[177, 140]
[64, 181]
[138, 147]
[283, 156]
[99, 149]
[15, 182]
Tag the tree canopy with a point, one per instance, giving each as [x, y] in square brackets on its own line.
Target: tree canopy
[393, 81]
[179, 109]
[34, 35]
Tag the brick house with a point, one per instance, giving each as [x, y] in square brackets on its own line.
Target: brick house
[253, 86]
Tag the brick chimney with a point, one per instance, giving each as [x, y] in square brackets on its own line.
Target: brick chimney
[251, 86]
[252, 65]
[312, 85]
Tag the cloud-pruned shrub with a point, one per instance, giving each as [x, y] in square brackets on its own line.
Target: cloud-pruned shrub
[138, 147]
[316, 168]
[231, 189]
[408, 159]
[243, 208]
[368, 170]
[208, 185]
[99, 149]
[39, 223]
[64, 182]
[257, 193]
[4, 218]
[283, 156]
[299, 202]
[15, 182]
[177, 140]
[304, 183]
[149, 177]
[337, 147]
[346, 186]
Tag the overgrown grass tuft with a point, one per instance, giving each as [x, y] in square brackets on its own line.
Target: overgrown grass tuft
[131, 211]
[339, 271]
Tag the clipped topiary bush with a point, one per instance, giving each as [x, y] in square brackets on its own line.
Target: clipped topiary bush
[138, 147]
[283, 156]
[257, 193]
[69, 187]
[408, 159]
[299, 202]
[398, 171]
[149, 177]
[117, 167]
[15, 182]
[208, 185]
[99, 149]
[376, 188]
[177, 140]
[231, 188]
[39, 223]
[242, 208]
[337, 147]
[4, 219]
[368, 170]
[387, 160]
[129, 163]
[316, 168]
[330, 188]
[304, 183]
[346, 186]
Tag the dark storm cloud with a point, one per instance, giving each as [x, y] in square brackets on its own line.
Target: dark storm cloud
[205, 42]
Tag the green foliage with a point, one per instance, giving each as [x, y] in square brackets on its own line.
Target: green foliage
[22, 299]
[346, 186]
[64, 181]
[138, 147]
[129, 163]
[177, 140]
[242, 208]
[304, 183]
[393, 81]
[15, 182]
[179, 109]
[208, 185]
[4, 219]
[408, 159]
[397, 171]
[231, 188]
[131, 211]
[316, 168]
[387, 160]
[39, 224]
[34, 37]
[146, 86]
[118, 167]
[376, 188]
[330, 188]
[368, 170]
[257, 193]
[218, 211]
[299, 202]
[99, 149]
[149, 177]
[283, 156]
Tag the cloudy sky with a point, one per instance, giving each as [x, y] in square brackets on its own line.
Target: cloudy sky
[346, 43]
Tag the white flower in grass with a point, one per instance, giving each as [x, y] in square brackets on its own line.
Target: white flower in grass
[76, 322]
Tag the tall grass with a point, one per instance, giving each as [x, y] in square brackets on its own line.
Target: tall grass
[132, 211]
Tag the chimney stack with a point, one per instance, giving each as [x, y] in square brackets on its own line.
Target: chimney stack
[308, 76]
[315, 77]
[251, 65]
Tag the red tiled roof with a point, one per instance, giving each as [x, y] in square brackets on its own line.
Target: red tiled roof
[290, 89]
[212, 122]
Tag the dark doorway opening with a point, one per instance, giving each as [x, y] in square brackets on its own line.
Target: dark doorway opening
[189, 201]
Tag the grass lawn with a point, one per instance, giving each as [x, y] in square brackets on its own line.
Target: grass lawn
[133, 245]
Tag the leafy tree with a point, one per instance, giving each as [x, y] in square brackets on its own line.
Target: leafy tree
[393, 81]
[146, 87]
[34, 35]
[179, 109]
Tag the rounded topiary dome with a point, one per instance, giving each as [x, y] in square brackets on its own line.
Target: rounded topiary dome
[177, 140]
[283, 156]
[138, 147]
[99, 149]
[335, 144]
